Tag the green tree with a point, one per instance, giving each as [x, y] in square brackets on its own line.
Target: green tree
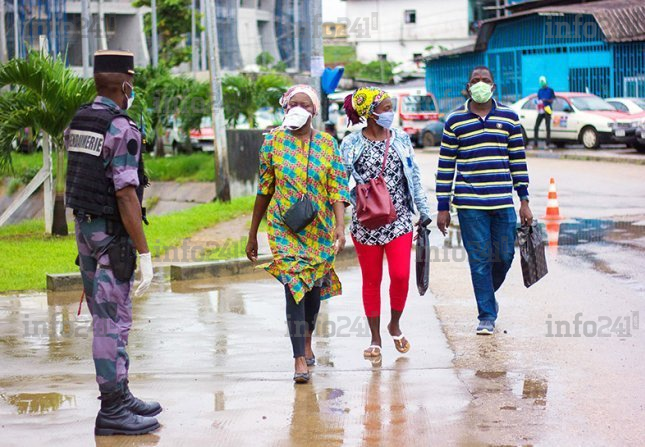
[264, 59]
[46, 96]
[245, 95]
[173, 24]
[165, 95]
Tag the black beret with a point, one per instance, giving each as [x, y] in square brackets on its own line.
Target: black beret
[108, 61]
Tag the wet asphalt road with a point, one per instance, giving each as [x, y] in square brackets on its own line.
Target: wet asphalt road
[216, 354]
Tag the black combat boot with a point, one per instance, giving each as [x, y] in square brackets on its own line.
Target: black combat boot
[115, 418]
[137, 406]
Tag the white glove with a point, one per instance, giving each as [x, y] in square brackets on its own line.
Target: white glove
[145, 265]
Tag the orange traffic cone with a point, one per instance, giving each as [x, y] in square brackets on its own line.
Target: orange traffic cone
[553, 232]
[552, 206]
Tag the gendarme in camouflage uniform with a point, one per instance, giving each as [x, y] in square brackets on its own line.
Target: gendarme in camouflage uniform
[104, 158]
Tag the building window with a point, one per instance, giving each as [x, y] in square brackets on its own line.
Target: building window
[410, 16]
[382, 57]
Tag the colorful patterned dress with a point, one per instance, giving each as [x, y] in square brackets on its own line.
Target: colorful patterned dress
[305, 259]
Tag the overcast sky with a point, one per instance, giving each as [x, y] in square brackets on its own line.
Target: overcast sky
[332, 10]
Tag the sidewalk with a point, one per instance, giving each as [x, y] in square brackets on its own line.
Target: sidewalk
[616, 155]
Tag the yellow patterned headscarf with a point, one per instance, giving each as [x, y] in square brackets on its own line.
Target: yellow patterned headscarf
[361, 104]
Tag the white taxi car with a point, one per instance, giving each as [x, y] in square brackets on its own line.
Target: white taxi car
[577, 118]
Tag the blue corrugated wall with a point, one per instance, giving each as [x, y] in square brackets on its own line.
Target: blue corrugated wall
[569, 50]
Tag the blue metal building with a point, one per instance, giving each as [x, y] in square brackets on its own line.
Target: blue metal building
[597, 47]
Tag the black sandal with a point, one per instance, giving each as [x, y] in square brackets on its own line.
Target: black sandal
[301, 378]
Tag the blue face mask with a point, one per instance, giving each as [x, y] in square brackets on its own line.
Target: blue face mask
[385, 119]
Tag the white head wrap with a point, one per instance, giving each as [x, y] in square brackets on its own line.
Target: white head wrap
[301, 88]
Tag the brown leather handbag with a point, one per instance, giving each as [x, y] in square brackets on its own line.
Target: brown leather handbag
[374, 207]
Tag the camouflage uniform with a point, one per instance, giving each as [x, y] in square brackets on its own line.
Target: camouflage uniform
[108, 299]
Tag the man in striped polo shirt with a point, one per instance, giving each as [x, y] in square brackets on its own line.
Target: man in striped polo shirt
[482, 141]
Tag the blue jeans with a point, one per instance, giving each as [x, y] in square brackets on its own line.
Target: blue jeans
[489, 239]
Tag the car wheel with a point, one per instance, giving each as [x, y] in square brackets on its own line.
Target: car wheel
[640, 147]
[589, 138]
[428, 140]
[560, 144]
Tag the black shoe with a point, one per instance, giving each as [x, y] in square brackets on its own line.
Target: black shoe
[115, 418]
[137, 406]
[301, 378]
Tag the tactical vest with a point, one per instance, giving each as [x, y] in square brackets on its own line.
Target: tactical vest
[88, 190]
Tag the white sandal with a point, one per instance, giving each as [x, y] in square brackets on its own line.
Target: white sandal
[403, 348]
[373, 348]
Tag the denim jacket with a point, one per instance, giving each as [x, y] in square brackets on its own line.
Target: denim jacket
[352, 148]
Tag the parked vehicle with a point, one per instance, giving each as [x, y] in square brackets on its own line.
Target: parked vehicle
[431, 134]
[629, 105]
[633, 135]
[413, 110]
[577, 117]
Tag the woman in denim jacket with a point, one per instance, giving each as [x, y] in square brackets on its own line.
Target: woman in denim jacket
[363, 154]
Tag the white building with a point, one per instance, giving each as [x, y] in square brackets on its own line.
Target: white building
[123, 24]
[256, 30]
[402, 30]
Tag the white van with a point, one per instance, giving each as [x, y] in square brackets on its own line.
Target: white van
[413, 109]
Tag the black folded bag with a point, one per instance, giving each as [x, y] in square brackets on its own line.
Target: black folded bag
[532, 255]
[422, 250]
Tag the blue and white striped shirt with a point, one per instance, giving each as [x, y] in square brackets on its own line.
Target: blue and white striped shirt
[488, 154]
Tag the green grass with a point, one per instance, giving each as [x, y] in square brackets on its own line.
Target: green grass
[30, 254]
[339, 54]
[197, 167]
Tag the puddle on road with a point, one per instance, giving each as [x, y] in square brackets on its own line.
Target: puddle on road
[572, 232]
[39, 403]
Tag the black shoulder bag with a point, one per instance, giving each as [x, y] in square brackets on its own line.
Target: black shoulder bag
[303, 212]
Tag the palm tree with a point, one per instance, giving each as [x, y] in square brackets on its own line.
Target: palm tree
[244, 95]
[45, 98]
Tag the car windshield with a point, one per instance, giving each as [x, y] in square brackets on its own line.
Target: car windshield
[418, 104]
[206, 122]
[640, 102]
[592, 103]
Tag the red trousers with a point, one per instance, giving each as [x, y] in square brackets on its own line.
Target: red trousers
[370, 258]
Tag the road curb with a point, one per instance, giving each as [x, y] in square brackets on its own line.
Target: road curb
[636, 160]
[68, 282]
[232, 267]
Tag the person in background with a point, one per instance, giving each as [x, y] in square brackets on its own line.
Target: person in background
[296, 159]
[482, 141]
[364, 153]
[545, 98]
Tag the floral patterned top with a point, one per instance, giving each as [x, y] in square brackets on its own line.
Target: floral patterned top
[369, 166]
[302, 260]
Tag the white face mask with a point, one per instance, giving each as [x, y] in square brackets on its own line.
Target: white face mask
[295, 118]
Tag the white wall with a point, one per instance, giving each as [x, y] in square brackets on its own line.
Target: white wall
[438, 22]
[251, 41]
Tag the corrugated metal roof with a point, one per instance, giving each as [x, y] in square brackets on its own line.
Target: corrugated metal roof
[619, 20]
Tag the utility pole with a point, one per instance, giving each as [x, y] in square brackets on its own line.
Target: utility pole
[222, 186]
[202, 34]
[155, 36]
[85, 37]
[3, 35]
[193, 37]
[54, 20]
[317, 55]
[296, 35]
[102, 35]
[16, 27]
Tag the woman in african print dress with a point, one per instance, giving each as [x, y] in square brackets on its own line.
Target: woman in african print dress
[293, 159]
[364, 152]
